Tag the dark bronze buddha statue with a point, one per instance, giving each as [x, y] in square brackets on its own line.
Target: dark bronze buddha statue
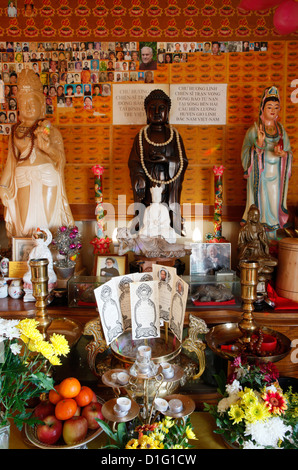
[158, 158]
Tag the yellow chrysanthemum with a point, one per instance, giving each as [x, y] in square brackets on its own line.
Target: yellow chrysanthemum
[28, 328]
[24, 339]
[257, 412]
[55, 361]
[189, 433]
[132, 444]
[168, 422]
[44, 348]
[157, 435]
[236, 413]
[146, 442]
[248, 397]
[164, 429]
[60, 344]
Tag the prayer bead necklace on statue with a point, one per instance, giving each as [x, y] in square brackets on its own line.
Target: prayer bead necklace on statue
[29, 132]
[160, 144]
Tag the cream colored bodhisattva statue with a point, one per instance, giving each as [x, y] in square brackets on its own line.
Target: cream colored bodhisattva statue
[32, 185]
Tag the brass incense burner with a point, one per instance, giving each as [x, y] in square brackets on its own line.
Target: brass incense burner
[232, 339]
[141, 386]
[165, 349]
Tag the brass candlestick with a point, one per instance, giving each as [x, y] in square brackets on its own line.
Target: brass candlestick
[39, 279]
[231, 339]
[249, 282]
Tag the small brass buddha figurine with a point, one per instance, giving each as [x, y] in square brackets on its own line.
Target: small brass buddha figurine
[253, 244]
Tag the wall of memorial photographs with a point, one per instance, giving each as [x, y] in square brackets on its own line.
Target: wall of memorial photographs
[70, 70]
[78, 79]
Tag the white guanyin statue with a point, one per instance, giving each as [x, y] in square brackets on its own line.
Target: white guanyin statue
[156, 221]
[32, 187]
[42, 239]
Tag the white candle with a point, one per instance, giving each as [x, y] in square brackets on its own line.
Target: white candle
[175, 405]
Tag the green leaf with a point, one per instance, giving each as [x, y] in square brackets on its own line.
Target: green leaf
[121, 434]
[221, 381]
[106, 428]
[218, 423]
[43, 380]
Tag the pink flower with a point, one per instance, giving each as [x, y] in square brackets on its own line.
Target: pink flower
[63, 228]
[218, 170]
[97, 170]
[237, 362]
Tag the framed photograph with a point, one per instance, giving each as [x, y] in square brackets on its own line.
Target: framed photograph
[111, 265]
[21, 248]
[208, 258]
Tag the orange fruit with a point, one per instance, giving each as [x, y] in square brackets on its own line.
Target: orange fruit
[54, 396]
[65, 409]
[85, 396]
[70, 387]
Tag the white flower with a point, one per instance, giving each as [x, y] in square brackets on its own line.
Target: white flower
[251, 445]
[233, 387]
[8, 329]
[271, 388]
[15, 348]
[267, 433]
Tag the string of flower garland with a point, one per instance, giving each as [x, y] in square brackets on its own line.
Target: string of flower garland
[142, 132]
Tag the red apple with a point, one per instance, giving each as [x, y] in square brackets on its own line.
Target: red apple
[92, 412]
[94, 398]
[43, 409]
[74, 430]
[50, 431]
[78, 412]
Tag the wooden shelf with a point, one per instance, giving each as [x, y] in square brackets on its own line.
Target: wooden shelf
[286, 322]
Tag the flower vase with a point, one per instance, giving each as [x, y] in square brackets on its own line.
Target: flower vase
[64, 272]
[4, 436]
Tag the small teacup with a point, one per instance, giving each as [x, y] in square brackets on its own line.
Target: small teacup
[122, 378]
[161, 404]
[144, 352]
[167, 370]
[123, 404]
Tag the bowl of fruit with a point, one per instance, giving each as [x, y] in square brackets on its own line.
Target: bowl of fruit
[67, 417]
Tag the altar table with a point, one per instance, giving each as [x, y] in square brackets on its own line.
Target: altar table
[203, 424]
